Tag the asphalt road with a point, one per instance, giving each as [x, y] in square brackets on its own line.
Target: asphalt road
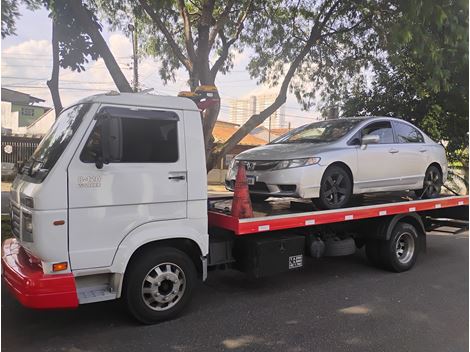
[340, 304]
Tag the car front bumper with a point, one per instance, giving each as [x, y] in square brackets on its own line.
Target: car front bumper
[31, 287]
[299, 182]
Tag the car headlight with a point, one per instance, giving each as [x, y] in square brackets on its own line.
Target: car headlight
[289, 164]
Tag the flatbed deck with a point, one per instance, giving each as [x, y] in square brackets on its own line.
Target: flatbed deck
[288, 213]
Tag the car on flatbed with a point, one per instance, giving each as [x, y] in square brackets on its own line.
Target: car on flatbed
[329, 161]
[114, 204]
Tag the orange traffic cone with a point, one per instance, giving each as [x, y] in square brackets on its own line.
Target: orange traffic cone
[241, 204]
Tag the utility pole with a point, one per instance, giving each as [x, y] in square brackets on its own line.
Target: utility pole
[133, 31]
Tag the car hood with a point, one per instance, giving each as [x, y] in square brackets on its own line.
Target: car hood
[284, 151]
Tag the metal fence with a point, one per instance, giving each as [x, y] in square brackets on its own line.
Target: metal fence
[17, 149]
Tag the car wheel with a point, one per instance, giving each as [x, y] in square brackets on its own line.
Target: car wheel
[400, 252]
[432, 183]
[159, 284]
[258, 197]
[335, 189]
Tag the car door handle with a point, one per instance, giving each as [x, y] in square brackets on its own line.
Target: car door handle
[423, 150]
[177, 178]
[393, 151]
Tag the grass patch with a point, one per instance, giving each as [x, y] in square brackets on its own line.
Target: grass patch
[6, 227]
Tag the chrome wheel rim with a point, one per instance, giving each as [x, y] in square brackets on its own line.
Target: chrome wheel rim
[432, 183]
[335, 189]
[163, 286]
[405, 247]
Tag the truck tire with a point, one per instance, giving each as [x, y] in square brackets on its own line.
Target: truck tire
[159, 284]
[373, 253]
[337, 247]
[400, 252]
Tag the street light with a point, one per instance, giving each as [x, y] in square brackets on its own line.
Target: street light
[133, 31]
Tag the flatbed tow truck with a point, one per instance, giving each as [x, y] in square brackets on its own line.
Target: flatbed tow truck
[106, 209]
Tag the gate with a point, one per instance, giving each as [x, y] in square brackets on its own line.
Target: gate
[17, 149]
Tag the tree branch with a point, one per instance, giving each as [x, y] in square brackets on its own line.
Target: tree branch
[161, 26]
[53, 83]
[93, 31]
[220, 22]
[226, 44]
[188, 35]
[256, 119]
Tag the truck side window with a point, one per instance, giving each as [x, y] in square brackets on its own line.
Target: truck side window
[143, 140]
[149, 141]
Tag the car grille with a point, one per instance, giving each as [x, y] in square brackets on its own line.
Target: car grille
[260, 165]
[15, 220]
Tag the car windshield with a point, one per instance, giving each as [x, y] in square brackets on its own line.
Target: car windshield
[54, 142]
[319, 132]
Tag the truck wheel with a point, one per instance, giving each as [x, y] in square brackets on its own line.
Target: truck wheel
[373, 252]
[159, 284]
[400, 252]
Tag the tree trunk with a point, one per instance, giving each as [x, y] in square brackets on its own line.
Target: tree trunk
[53, 83]
[94, 32]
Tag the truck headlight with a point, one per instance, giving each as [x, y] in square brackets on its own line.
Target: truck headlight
[289, 164]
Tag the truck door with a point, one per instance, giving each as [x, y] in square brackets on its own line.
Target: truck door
[143, 180]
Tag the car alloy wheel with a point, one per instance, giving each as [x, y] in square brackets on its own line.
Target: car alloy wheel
[335, 188]
[432, 182]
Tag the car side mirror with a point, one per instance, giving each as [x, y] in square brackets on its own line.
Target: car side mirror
[370, 139]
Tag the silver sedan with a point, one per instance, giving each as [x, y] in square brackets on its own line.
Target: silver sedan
[330, 160]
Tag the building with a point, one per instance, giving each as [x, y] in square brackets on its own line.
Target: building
[242, 109]
[222, 132]
[19, 110]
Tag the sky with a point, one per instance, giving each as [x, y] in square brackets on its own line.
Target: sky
[27, 64]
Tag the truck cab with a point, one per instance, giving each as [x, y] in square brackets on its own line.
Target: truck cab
[116, 174]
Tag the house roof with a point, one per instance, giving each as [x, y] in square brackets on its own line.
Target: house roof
[13, 96]
[224, 130]
[280, 131]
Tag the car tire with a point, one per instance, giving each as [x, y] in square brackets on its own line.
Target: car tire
[159, 284]
[258, 198]
[335, 189]
[400, 252]
[432, 184]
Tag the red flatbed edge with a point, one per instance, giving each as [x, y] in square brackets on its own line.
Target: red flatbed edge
[295, 220]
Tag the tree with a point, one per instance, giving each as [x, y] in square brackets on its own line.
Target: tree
[10, 13]
[423, 77]
[292, 41]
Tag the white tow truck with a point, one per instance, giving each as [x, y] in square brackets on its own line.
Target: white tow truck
[113, 203]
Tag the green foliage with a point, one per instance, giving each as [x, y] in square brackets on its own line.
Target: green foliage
[422, 78]
[10, 13]
[75, 45]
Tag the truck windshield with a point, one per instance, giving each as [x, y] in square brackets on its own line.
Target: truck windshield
[319, 132]
[54, 142]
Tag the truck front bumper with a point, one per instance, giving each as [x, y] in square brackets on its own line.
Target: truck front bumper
[30, 285]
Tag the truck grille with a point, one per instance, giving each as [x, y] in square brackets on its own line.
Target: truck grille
[15, 220]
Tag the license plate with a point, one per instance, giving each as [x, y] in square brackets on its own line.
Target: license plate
[250, 180]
